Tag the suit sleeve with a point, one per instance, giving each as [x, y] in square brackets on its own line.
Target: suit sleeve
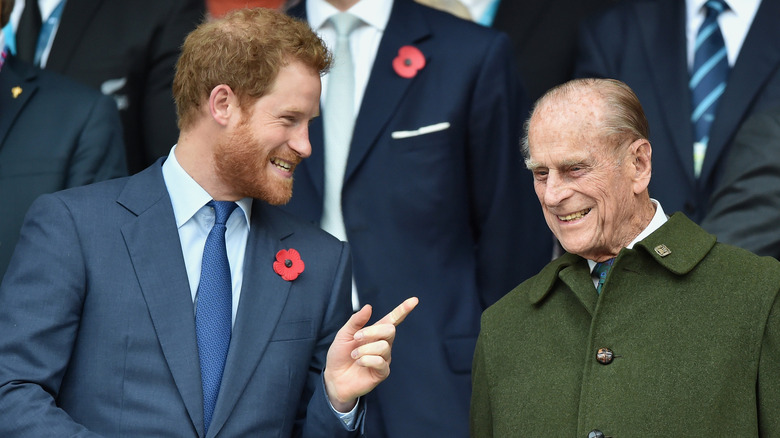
[157, 106]
[316, 418]
[100, 152]
[745, 208]
[513, 241]
[40, 300]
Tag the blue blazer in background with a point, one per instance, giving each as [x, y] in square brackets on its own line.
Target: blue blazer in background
[99, 329]
[643, 43]
[448, 216]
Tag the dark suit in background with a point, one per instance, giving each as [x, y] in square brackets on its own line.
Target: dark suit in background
[128, 49]
[643, 43]
[54, 134]
[745, 208]
[447, 216]
[544, 38]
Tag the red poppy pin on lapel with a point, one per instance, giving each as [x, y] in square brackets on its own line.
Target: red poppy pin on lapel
[409, 61]
[288, 264]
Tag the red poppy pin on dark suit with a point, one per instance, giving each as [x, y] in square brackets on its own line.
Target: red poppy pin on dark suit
[288, 264]
[409, 61]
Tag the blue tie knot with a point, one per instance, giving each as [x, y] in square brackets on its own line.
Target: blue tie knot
[222, 210]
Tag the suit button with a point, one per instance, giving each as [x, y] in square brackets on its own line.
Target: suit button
[690, 208]
[604, 356]
[595, 434]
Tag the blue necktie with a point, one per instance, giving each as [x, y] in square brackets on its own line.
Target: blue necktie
[214, 309]
[708, 79]
[601, 270]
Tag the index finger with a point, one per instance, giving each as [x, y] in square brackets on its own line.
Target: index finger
[397, 315]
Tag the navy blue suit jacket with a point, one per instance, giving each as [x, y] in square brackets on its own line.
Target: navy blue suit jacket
[99, 330]
[448, 216]
[642, 43]
[54, 134]
[128, 50]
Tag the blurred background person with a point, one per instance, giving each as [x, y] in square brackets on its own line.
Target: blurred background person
[745, 207]
[427, 187]
[54, 134]
[125, 49]
[695, 95]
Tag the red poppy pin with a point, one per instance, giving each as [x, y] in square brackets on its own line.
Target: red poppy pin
[409, 61]
[288, 264]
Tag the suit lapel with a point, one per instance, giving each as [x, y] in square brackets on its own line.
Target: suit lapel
[384, 91]
[758, 59]
[662, 26]
[153, 244]
[263, 296]
[14, 75]
[75, 18]
[385, 88]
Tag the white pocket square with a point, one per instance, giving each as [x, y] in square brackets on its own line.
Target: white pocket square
[421, 131]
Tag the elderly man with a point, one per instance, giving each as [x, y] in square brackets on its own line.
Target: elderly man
[681, 337]
[181, 302]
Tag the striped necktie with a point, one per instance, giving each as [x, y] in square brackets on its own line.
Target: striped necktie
[708, 79]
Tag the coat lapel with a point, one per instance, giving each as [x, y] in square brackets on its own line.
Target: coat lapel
[152, 241]
[75, 18]
[573, 271]
[757, 61]
[15, 80]
[263, 296]
[662, 26]
[385, 88]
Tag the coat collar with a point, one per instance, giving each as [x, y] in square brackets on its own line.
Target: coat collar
[678, 246]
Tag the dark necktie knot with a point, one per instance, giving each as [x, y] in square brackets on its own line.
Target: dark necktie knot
[601, 270]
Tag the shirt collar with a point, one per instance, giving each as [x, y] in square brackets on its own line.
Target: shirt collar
[187, 196]
[375, 13]
[659, 218]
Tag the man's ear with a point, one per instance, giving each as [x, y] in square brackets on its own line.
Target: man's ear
[641, 154]
[223, 104]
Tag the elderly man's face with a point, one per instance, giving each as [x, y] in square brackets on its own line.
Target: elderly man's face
[586, 192]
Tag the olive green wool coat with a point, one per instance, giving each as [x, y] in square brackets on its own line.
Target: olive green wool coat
[695, 334]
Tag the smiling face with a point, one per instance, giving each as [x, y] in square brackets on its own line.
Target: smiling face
[258, 156]
[592, 191]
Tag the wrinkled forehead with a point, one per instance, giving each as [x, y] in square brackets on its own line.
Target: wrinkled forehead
[565, 122]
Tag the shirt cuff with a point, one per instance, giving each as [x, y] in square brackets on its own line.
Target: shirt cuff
[348, 419]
